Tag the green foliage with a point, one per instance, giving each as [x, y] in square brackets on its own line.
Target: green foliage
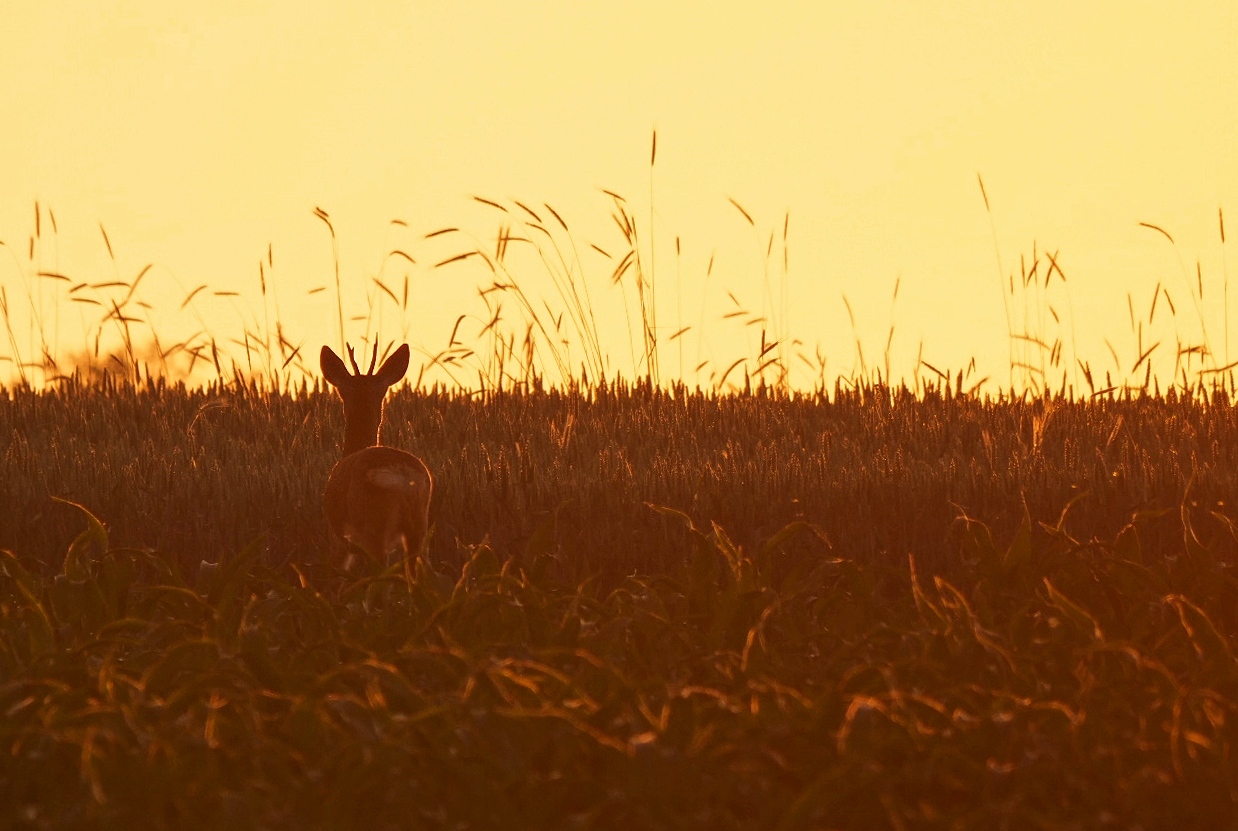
[1044, 682]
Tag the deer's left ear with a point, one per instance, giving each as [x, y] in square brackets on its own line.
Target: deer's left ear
[333, 368]
[394, 367]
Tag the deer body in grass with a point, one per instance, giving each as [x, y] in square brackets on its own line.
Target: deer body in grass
[377, 498]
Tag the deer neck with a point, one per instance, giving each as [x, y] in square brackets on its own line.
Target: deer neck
[360, 433]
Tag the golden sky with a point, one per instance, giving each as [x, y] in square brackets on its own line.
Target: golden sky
[198, 137]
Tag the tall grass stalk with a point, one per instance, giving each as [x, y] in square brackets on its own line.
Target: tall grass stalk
[521, 334]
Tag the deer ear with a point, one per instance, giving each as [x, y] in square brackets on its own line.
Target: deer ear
[333, 368]
[394, 367]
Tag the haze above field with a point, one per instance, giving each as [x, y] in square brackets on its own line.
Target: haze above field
[196, 138]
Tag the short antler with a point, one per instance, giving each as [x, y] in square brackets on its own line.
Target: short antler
[356, 370]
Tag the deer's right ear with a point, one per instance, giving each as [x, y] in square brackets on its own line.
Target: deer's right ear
[333, 368]
[394, 367]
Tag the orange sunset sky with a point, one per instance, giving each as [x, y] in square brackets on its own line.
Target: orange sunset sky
[196, 135]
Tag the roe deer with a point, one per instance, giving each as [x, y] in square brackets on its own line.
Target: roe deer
[377, 498]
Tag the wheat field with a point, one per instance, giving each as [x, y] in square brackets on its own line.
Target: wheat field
[732, 603]
[639, 607]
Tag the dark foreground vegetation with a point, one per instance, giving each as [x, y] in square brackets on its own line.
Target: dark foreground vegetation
[637, 610]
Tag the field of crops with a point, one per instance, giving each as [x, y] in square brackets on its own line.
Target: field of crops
[638, 609]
